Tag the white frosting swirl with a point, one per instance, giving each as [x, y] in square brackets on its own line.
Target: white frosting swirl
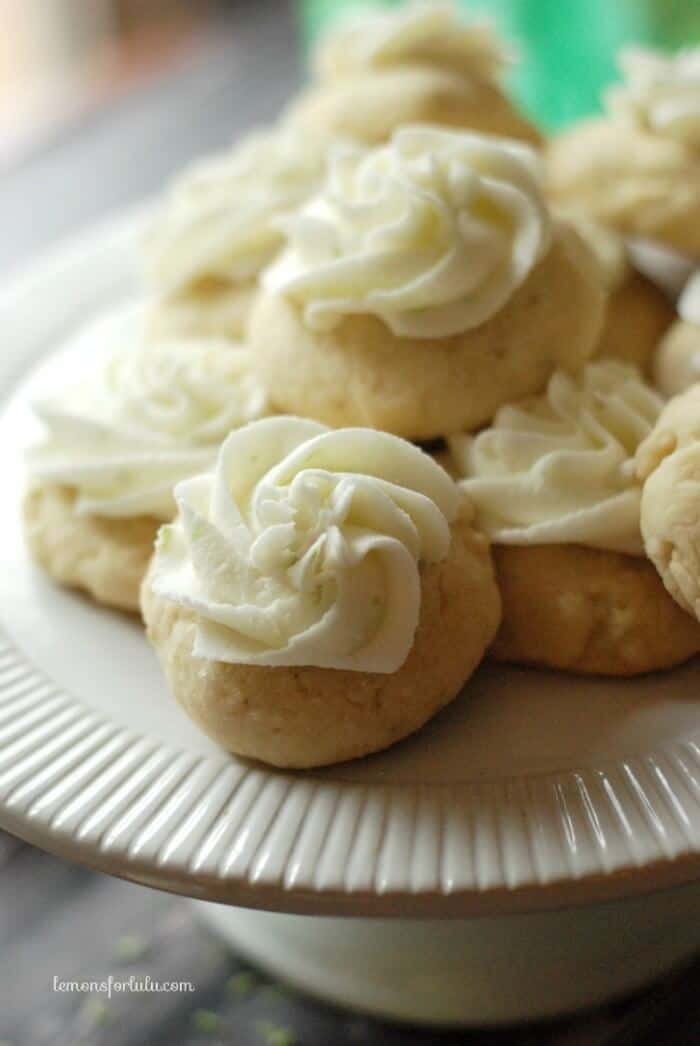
[432, 233]
[422, 32]
[689, 301]
[145, 418]
[660, 93]
[219, 221]
[560, 468]
[302, 546]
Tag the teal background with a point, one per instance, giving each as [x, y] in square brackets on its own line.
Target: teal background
[567, 47]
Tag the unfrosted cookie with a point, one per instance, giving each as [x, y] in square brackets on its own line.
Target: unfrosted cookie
[218, 227]
[669, 465]
[588, 610]
[638, 168]
[105, 557]
[140, 419]
[553, 484]
[327, 603]
[418, 63]
[415, 313]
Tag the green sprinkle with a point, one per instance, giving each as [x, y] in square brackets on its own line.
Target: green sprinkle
[275, 1034]
[205, 1020]
[276, 990]
[130, 947]
[243, 984]
[164, 538]
[97, 1011]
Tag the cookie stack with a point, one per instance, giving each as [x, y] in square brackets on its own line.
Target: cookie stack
[394, 406]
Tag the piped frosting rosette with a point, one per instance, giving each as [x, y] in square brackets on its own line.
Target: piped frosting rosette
[432, 233]
[660, 93]
[143, 419]
[219, 221]
[303, 545]
[637, 168]
[560, 468]
[420, 32]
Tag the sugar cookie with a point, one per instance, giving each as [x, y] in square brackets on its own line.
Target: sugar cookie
[669, 465]
[554, 485]
[424, 287]
[218, 226]
[319, 596]
[117, 441]
[637, 313]
[677, 362]
[419, 63]
[638, 167]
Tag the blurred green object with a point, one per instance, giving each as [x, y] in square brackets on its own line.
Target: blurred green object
[567, 48]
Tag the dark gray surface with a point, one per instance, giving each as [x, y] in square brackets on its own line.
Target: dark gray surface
[123, 153]
[59, 920]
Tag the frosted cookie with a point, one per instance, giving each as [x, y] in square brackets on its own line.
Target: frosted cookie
[554, 486]
[424, 286]
[589, 611]
[319, 595]
[116, 443]
[669, 466]
[218, 228]
[419, 63]
[677, 362]
[106, 557]
[637, 314]
[638, 167]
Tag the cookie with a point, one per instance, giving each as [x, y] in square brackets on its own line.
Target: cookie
[553, 484]
[116, 443]
[637, 313]
[640, 185]
[677, 362]
[329, 631]
[370, 109]
[560, 468]
[637, 317]
[638, 167]
[433, 33]
[676, 365]
[376, 70]
[107, 558]
[211, 308]
[424, 325]
[218, 227]
[669, 465]
[306, 716]
[588, 610]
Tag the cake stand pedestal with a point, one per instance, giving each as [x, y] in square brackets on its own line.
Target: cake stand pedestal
[489, 970]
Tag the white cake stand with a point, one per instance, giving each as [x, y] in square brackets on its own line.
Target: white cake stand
[534, 850]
